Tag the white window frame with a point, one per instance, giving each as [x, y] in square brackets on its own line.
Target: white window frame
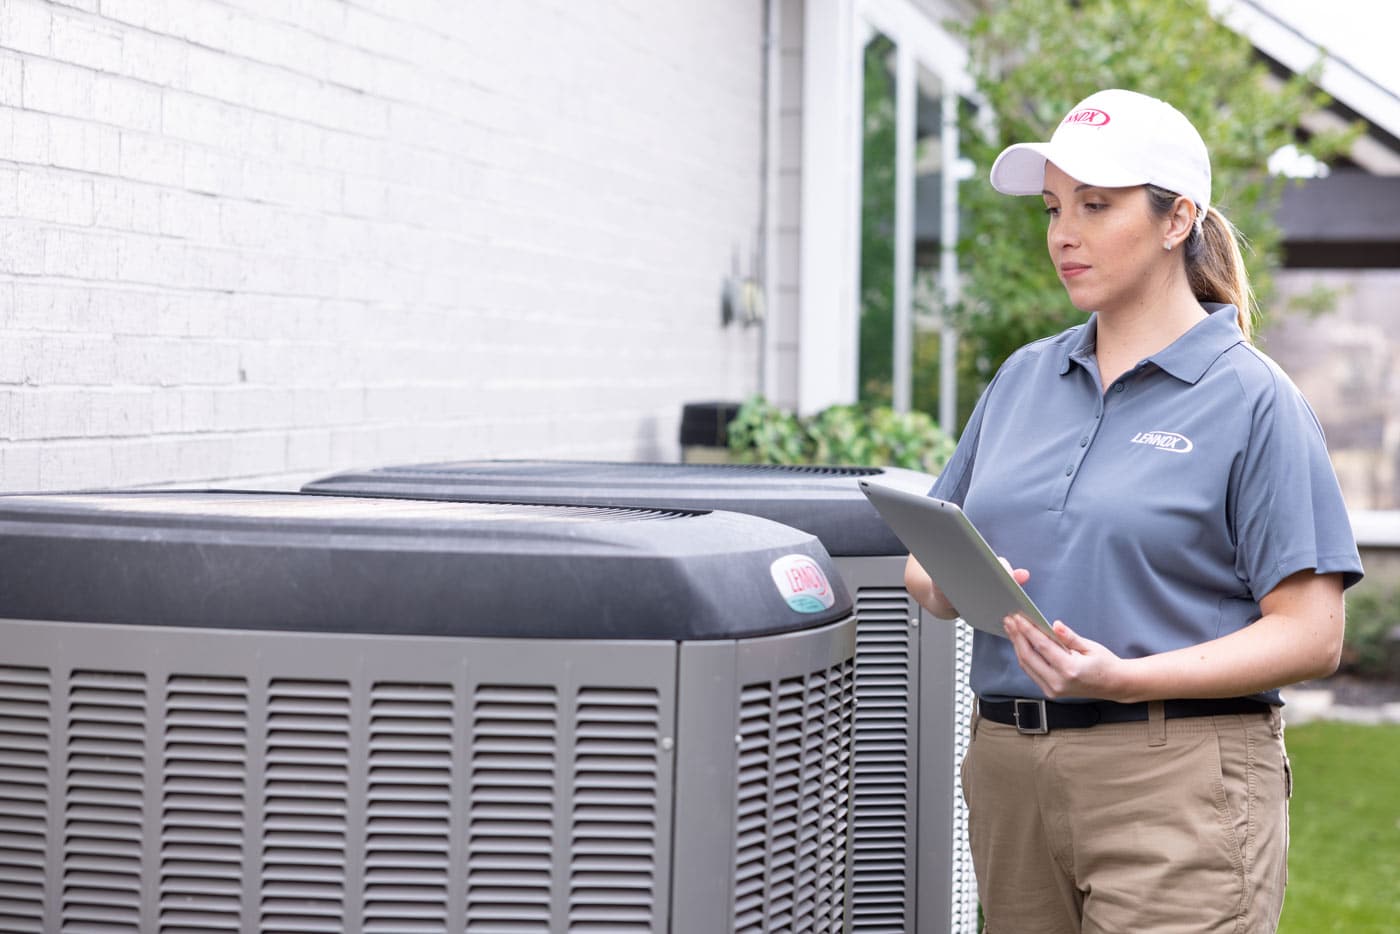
[835, 35]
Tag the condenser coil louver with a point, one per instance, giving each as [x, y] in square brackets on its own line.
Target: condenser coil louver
[911, 867]
[268, 713]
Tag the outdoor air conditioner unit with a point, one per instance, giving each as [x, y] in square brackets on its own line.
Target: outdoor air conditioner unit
[279, 712]
[911, 868]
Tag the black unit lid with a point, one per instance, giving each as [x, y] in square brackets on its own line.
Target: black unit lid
[293, 561]
[825, 501]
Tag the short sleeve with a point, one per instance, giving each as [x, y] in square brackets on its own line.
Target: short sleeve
[956, 476]
[1288, 513]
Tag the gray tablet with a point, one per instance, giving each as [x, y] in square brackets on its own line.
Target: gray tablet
[956, 556]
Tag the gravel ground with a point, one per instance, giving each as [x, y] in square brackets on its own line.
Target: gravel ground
[1343, 697]
[1352, 691]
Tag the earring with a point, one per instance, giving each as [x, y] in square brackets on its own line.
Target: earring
[1167, 246]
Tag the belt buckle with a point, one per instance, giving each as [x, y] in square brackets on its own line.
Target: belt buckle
[1035, 708]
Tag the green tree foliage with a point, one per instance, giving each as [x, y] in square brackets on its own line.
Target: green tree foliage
[1032, 61]
[877, 198]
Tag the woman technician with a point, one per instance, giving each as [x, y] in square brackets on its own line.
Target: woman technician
[1164, 489]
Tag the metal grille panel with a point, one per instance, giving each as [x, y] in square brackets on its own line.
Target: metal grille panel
[911, 866]
[613, 845]
[203, 814]
[102, 821]
[306, 788]
[828, 755]
[409, 812]
[793, 828]
[215, 781]
[882, 799]
[964, 878]
[755, 719]
[515, 734]
[25, 726]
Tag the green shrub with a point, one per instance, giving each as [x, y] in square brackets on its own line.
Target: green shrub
[1372, 644]
[762, 433]
[870, 436]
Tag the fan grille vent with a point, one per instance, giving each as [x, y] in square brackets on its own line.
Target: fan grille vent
[306, 790]
[881, 875]
[408, 814]
[103, 798]
[794, 802]
[613, 835]
[203, 804]
[25, 725]
[511, 840]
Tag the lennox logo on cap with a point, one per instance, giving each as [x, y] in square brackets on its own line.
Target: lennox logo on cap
[1088, 116]
[803, 583]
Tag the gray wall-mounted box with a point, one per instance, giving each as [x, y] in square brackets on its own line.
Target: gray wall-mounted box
[280, 712]
[911, 868]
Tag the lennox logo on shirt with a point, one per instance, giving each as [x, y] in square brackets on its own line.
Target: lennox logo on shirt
[1164, 441]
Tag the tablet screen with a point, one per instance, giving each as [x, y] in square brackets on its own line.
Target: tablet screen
[944, 541]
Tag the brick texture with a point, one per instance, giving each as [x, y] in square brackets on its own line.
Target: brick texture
[253, 241]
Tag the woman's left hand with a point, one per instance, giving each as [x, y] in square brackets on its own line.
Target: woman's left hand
[1072, 667]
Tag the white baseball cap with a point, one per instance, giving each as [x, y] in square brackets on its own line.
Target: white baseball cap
[1114, 139]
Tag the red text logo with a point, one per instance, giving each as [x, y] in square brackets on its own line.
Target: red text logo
[803, 583]
[806, 578]
[1088, 116]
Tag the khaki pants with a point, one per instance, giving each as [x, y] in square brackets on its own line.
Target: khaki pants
[1160, 827]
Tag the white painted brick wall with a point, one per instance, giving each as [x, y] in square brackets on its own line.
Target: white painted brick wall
[254, 241]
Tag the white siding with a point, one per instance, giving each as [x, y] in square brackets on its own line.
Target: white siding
[785, 318]
[258, 240]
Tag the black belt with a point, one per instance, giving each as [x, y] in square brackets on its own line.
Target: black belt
[1040, 716]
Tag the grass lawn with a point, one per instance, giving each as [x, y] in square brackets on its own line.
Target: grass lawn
[1344, 855]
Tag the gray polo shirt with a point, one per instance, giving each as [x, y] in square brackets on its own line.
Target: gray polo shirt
[1155, 515]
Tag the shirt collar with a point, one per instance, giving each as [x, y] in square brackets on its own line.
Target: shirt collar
[1187, 358]
[1080, 350]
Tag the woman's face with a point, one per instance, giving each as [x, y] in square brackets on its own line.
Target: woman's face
[1106, 243]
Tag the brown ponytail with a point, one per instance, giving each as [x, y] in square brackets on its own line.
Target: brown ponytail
[1214, 264]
